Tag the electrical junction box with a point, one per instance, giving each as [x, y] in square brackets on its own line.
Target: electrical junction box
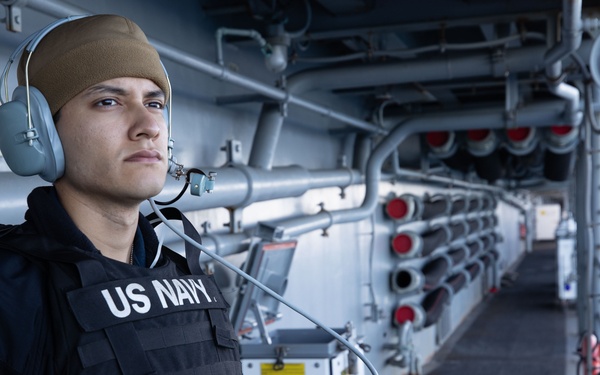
[567, 276]
[299, 352]
[566, 258]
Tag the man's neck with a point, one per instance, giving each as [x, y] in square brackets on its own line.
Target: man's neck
[109, 226]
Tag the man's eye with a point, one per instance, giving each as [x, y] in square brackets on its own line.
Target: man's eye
[106, 102]
[157, 105]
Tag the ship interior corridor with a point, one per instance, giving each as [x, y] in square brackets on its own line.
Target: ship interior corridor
[372, 173]
[523, 329]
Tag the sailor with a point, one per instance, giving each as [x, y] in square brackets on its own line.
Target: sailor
[83, 285]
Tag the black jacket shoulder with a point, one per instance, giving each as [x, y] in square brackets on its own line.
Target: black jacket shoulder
[23, 320]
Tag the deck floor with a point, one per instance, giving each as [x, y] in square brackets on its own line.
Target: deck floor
[521, 330]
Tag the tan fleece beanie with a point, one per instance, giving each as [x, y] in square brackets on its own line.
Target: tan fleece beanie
[86, 51]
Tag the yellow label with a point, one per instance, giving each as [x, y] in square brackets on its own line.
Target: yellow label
[288, 369]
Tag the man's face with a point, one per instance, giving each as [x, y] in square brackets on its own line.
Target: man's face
[115, 141]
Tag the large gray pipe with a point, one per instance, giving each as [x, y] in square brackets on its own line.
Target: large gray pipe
[266, 136]
[236, 186]
[532, 115]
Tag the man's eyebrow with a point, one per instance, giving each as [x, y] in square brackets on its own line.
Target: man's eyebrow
[114, 90]
[155, 94]
[104, 89]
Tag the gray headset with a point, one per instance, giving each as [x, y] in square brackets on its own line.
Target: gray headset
[28, 138]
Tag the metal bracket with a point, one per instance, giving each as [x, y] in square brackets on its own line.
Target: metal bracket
[235, 220]
[14, 20]
[233, 149]
[260, 321]
[281, 352]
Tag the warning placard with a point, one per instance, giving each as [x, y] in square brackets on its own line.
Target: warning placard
[288, 369]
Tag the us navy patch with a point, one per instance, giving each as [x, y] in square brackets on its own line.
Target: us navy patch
[103, 305]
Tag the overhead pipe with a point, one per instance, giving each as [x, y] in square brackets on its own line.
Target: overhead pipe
[236, 186]
[570, 41]
[426, 69]
[266, 136]
[537, 114]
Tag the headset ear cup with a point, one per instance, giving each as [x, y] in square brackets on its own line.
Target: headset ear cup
[22, 158]
[45, 155]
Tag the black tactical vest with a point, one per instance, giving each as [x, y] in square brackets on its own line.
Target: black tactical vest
[112, 318]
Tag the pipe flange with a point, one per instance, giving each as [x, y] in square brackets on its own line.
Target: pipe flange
[407, 244]
[409, 312]
[406, 279]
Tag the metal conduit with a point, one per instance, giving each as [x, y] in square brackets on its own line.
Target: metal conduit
[434, 304]
[459, 205]
[570, 41]
[235, 187]
[535, 114]
[266, 137]
[474, 225]
[241, 185]
[474, 269]
[481, 64]
[434, 271]
[457, 281]
[486, 201]
[435, 206]
[458, 255]
[473, 248]
[458, 229]
[435, 238]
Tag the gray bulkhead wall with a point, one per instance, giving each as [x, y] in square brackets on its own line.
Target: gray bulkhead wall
[338, 277]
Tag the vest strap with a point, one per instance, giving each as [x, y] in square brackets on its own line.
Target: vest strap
[223, 335]
[192, 253]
